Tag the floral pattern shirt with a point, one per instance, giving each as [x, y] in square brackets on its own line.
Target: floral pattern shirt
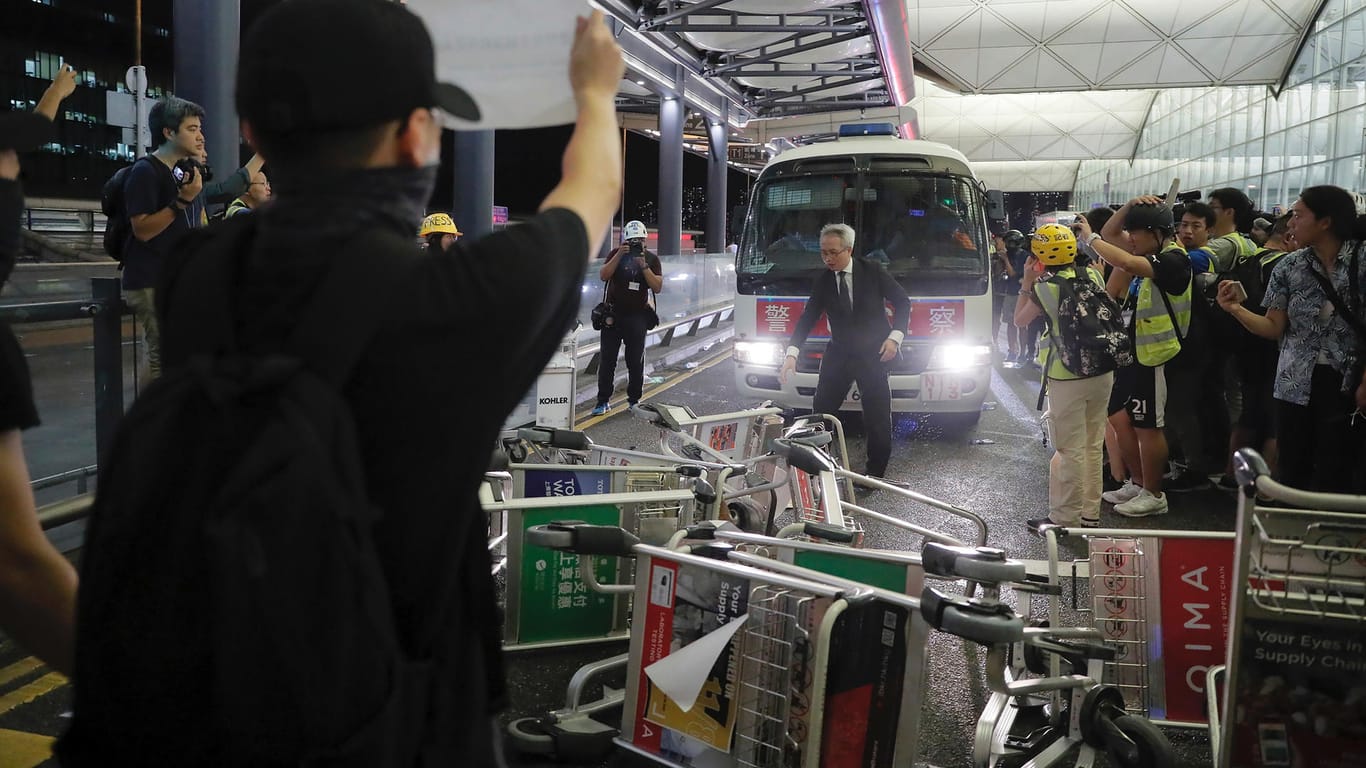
[1314, 330]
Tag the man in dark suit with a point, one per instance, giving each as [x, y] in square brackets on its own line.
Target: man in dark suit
[854, 294]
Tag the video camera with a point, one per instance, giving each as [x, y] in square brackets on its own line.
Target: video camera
[1182, 198]
[186, 166]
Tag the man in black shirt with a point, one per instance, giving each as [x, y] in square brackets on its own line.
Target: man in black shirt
[632, 274]
[163, 201]
[459, 341]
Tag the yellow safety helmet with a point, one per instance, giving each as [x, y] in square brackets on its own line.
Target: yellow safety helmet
[1054, 245]
[438, 222]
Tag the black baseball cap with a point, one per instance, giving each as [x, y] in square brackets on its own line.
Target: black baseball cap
[335, 65]
[24, 131]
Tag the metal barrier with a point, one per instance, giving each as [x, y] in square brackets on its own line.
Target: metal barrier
[105, 309]
[664, 333]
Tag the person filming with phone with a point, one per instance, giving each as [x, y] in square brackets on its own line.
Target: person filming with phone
[631, 275]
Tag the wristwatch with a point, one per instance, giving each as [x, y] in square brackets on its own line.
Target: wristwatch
[1093, 238]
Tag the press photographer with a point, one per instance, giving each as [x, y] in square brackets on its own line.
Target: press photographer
[632, 276]
[164, 195]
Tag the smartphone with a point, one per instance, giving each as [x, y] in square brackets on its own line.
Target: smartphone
[1239, 292]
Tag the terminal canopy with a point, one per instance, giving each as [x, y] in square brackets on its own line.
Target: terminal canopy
[1002, 81]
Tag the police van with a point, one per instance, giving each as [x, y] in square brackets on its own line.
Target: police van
[918, 210]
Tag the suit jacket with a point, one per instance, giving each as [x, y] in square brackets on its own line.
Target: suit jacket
[863, 328]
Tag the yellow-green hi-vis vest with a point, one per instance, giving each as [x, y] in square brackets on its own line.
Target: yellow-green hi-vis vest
[1048, 293]
[1155, 338]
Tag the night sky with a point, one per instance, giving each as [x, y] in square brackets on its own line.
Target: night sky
[527, 167]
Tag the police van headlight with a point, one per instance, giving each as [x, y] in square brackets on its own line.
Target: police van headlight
[759, 352]
[959, 357]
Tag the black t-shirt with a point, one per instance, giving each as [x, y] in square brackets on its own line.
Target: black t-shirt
[16, 390]
[149, 188]
[462, 339]
[627, 290]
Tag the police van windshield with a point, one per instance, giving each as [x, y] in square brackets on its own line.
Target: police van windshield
[927, 230]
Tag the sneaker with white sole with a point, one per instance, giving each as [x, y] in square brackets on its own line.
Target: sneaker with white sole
[600, 409]
[1143, 505]
[1125, 493]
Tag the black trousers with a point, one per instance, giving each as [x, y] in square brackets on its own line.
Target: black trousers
[1318, 445]
[839, 369]
[630, 330]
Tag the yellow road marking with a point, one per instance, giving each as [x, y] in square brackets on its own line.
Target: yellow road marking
[18, 669]
[34, 690]
[24, 750]
[595, 420]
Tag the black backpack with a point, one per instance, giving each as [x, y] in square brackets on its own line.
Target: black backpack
[117, 227]
[233, 610]
[1093, 339]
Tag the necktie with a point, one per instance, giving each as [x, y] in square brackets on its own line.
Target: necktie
[843, 287]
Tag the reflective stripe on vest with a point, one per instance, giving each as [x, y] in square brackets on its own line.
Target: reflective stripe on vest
[1155, 338]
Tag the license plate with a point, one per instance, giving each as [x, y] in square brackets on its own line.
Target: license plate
[938, 386]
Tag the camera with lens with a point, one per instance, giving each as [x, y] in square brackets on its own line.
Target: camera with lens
[186, 166]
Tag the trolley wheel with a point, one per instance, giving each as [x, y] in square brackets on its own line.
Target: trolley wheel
[529, 737]
[1150, 748]
[746, 514]
[1103, 705]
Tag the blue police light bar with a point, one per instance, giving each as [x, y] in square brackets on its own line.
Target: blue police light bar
[867, 129]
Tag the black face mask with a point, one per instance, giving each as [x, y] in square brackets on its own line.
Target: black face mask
[390, 197]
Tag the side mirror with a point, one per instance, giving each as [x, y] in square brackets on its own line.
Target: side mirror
[996, 205]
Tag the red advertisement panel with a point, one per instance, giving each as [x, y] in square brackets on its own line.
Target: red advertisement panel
[930, 318]
[659, 619]
[1197, 579]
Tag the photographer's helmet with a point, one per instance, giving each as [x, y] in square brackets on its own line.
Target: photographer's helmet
[1014, 238]
[1149, 217]
[438, 222]
[634, 230]
[1054, 245]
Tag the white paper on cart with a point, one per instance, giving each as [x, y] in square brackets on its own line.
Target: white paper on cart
[681, 674]
[511, 56]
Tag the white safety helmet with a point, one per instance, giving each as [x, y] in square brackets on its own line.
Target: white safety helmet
[635, 230]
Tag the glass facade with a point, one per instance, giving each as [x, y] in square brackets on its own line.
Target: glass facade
[1272, 146]
[96, 37]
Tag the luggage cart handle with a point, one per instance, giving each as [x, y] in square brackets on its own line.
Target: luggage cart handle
[985, 565]
[567, 439]
[803, 456]
[984, 622]
[581, 538]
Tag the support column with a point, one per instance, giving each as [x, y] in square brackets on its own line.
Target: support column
[717, 176]
[473, 209]
[205, 37]
[671, 112]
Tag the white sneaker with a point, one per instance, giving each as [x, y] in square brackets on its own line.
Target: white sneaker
[1143, 505]
[1123, 493]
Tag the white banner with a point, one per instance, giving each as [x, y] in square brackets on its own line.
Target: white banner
[511, 56]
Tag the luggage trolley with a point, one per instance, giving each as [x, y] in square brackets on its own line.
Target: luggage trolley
[550, 600]
[1295, 691]
[1154, 596]
[816, 479]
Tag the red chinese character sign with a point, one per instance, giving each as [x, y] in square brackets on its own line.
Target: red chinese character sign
[930, 318]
